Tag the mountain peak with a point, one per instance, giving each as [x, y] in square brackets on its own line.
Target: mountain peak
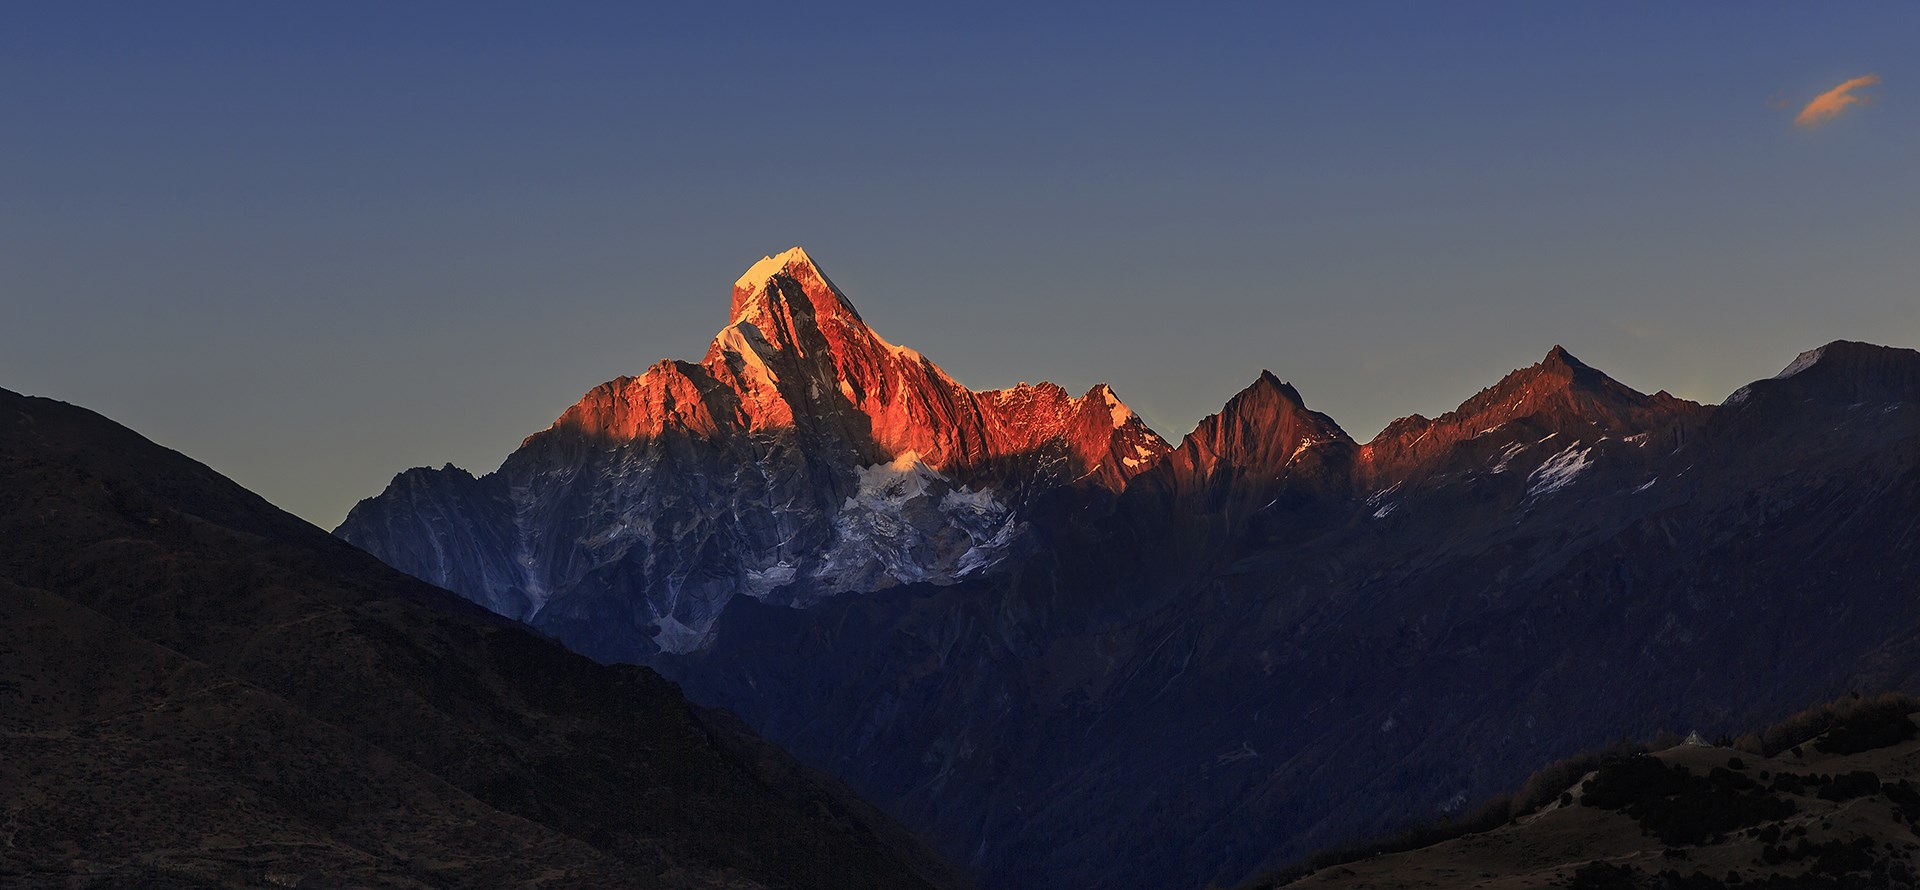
[1268, 385]
[1560, 370]
[1263, 428]
[1117, 410]
[1558, 358]
[1845, 353]
[1844, 369]
[1560, 393]
[758, 287]
[768, 266]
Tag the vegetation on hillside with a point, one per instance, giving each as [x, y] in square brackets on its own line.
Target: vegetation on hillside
[1679, 807]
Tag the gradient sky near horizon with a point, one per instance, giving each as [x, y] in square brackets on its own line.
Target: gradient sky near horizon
[312, 245]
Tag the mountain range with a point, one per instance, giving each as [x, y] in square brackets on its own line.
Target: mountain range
[1071, 654]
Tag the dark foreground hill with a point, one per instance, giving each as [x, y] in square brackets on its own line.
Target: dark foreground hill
[197, 689]
[1836, 809]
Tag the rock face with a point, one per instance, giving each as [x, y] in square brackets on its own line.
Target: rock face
[1559, 395]
[199, 690]
[804, 456]
[1074, 656]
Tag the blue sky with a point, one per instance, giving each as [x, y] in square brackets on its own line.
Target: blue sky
[316, 245]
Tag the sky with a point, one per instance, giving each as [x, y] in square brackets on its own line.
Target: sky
[315, 244]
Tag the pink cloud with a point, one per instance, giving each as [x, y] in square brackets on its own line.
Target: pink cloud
[1830, 104]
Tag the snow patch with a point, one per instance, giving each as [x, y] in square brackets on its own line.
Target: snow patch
[769, 266]
[675, 636]
[1800, 363]
[1116, 411]
[1559, 471]
[760, 582]
[1506, 457]
[906, 523]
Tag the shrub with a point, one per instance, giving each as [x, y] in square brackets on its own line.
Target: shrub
[1679, 807]
[1858, 783]
[1851, 725]
[1599, 875]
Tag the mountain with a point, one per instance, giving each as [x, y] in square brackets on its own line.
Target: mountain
[1265, 467]
[1331, 648]
[1560, 394]
[199, 690]
[803, 457]
[1269, 631]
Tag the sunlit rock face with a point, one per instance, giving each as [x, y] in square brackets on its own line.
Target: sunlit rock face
[1558, 395]
[804, 456]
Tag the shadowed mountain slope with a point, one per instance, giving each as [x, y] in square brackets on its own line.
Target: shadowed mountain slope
[1337, 662]
[1072, 655]
[198, 690]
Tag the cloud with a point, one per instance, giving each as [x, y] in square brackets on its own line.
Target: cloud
[1830, 104]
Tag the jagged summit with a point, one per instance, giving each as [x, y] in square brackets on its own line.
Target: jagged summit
[797, 356]
[787, 303]
[1269, 380]
[794, 263]
[1559, 393]
[768, 266]
[1261, 430]
[1559, 355]
[1560, 364]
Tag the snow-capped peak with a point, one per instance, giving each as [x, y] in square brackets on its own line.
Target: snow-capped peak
[1118, 411]
[1801, 362]
[769, 266]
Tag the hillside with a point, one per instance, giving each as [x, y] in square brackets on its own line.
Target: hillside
[199, 690]
[1834, 811]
